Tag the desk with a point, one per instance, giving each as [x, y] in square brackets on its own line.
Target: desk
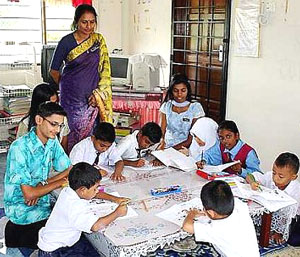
[145, 233]
[146, 104]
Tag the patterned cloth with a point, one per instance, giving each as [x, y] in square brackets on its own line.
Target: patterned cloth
[179, 124]
[86, 72]
[28, 163]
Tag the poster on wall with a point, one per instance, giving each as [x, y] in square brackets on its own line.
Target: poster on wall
[246, 32]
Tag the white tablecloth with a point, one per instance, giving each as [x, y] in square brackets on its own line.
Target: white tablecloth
[145, 233]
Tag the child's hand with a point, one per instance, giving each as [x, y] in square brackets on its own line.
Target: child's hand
[200, 164]
[156, 163]
[194, 213]
[103, 172]
[184, 150]
[139, 163]
[277, 238]
[254, 186]
[121, 210]
[65, 182]
[237, 168]
[120, 200]
[253, 183]
[117, 176]
[162, 145]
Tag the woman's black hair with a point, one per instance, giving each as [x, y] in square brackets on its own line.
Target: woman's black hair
[178, 79]
[80, 10]
[41, 93]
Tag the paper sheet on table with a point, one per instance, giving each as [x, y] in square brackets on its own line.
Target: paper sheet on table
[103, 208]
[177, 213]
[147, 167]
[272, 200]
[174, 158]
[210, 169]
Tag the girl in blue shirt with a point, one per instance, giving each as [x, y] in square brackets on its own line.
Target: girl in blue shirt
[178, 114]
[231, 148]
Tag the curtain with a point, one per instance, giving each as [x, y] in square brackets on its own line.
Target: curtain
[75, 3]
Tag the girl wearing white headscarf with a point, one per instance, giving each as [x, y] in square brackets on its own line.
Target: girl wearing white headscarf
[204, 133]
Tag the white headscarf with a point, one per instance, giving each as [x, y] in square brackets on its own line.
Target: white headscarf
[206, 129]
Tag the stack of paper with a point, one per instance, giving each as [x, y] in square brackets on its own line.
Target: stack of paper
[18, 105]
[15, 90]
[173, 158]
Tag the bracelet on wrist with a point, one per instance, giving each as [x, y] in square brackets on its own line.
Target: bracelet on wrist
[44, 182]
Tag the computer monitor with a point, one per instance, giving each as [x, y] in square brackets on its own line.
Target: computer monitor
[46, 57]
[120, 70]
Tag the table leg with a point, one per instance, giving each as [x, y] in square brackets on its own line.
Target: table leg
[265, 229]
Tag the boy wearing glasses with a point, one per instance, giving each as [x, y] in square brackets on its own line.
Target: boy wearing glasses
[26, 182]
[225, 222]
[73, 214]
[100, 149]
[139, 143]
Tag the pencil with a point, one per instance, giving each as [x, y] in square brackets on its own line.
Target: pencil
[145, 206]
[252, 178]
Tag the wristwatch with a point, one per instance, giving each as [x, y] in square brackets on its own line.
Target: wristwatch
[44, 182]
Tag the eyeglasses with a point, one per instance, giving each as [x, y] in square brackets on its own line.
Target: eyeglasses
[55, 124]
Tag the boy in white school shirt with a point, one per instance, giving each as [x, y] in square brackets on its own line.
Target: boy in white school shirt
[72, 214]
[229, 228]
[283, 177]
[100, 149]
[136, 145]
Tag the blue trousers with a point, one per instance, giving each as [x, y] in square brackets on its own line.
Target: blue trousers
[82, 248]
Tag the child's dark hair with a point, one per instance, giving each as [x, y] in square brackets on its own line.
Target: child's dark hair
[40, 94]
[47, 109]
[217, 196]
[83, 175]
[152, 131]
[105, 131]
[228, 125]
[80, 10]
[178, 79]
[288, 159]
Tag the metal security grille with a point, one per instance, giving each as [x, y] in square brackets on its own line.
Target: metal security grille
[200, 36]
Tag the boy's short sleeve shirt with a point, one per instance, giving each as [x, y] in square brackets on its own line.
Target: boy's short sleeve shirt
[128, 145]
[71, 215]
[233, 236]
[28, 163]
[84, 151]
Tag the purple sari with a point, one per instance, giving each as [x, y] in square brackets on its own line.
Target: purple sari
[79, 78]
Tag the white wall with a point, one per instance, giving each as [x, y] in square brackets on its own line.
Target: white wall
[110, 22]
[137, 27]
[264, 93]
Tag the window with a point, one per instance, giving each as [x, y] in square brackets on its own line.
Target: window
[21, 22]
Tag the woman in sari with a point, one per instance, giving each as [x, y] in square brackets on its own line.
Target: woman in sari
[85, 83]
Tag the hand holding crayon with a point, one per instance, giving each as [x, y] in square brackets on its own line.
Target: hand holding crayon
[253, 183]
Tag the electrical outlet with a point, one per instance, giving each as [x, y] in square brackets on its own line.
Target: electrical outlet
[268, 6]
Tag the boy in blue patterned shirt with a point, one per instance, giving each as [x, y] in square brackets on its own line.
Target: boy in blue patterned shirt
[26, 183]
